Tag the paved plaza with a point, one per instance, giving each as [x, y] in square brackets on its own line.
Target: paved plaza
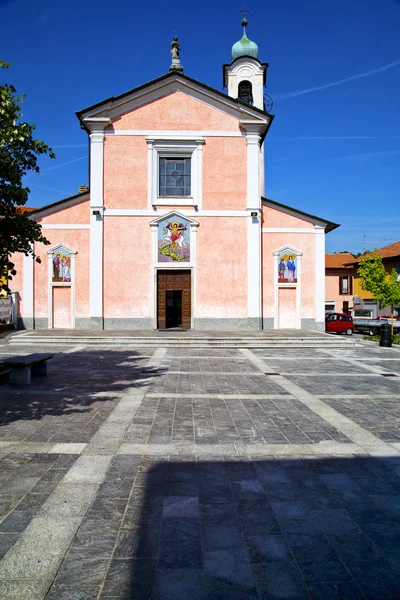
[202, 474]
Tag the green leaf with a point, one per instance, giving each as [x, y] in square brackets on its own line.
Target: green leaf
[19, 153]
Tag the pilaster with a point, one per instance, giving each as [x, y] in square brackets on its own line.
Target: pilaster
[319, 274]
[253, 207]
[96, 127]
[27, 300]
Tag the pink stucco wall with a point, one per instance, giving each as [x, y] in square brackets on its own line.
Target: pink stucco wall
[224, 158]
[77, 214]
[224, 173]
[127, 267]
[125, 172]
[305, 243]
[274, 218]
[176, 111]
[222, 267]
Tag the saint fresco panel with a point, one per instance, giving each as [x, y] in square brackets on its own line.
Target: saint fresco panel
[61, 265]
[287, 267]
[174, 240]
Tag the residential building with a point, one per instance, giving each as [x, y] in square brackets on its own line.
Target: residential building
[339, 282]
[365, 304]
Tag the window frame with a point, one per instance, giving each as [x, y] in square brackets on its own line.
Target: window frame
[349, 291]
[175, 147]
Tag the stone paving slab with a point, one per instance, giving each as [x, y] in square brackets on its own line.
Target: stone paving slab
[336, 385]
[73, 401]
[202, 484]
[380, 416]
[276, 528]
[211, 420]
[214, 384]
[389, 365]
[321, 365]
[208, 365]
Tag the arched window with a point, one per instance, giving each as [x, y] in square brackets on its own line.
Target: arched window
[245, 92]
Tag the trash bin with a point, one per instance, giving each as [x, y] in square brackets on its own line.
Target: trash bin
[386, 335]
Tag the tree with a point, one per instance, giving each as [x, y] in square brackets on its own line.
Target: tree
[374, 278]
[19, 152]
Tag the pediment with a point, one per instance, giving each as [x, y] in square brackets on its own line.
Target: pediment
[115, 107]
[59, 247]
[287, 250]
[173, 215]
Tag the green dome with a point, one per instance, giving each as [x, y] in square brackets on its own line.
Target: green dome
[244, 47]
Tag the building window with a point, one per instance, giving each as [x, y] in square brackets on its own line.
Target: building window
[175, 172]
[174, 176]
[345, 285]
[329, 307]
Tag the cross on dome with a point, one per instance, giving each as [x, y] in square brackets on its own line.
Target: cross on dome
[244, 47]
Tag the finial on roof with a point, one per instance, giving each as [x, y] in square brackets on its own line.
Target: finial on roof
[244, 47]
[175, 53]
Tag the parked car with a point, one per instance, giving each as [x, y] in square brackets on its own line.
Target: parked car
[339, 323]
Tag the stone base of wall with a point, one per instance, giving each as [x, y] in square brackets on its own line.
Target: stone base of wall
[312, 325]
[24, 323]
[268, 323]
[129, 323]
[41, 323]
[90, 323]
[203, 324]
[248, 324]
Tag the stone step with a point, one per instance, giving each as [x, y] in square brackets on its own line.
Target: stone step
[187, 342]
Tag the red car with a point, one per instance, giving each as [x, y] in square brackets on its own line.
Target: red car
[339, 323]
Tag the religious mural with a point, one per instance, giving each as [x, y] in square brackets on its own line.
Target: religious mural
[174, 240]
[61, 265]
[287, 267]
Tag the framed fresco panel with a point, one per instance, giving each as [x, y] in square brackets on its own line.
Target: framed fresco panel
[287, 267]
[61, 261]
[174, 240]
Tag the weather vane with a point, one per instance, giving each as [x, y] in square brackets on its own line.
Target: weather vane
[244, 10]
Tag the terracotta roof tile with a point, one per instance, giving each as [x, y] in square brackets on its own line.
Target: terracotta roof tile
[386, 252]
[335, 261]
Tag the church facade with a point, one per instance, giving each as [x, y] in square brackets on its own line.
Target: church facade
[175, 230]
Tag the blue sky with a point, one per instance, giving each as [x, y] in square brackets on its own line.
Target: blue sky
[333, 150]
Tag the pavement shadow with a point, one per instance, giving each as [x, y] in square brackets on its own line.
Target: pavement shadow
[76, 384]
[252, 529]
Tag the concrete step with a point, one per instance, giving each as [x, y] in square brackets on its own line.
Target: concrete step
[187, 342]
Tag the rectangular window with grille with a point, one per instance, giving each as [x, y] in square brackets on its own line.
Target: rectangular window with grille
[174, 176]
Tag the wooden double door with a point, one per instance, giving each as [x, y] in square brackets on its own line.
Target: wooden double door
[174, 299]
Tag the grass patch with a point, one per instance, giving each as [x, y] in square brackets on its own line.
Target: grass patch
[376, 338]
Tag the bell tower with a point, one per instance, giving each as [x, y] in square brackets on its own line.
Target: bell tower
[245, 76]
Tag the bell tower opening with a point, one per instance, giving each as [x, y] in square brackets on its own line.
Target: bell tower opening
[245, 92]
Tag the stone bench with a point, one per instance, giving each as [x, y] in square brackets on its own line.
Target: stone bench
[23, 367]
